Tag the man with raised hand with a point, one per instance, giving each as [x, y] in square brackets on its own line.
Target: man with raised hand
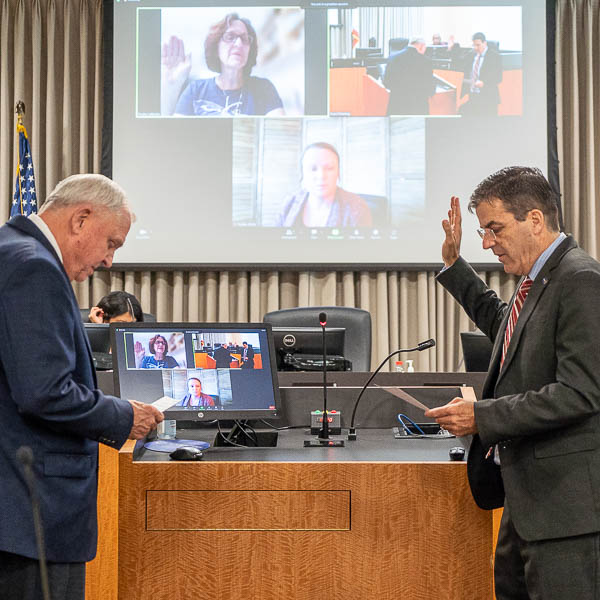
[536, 444]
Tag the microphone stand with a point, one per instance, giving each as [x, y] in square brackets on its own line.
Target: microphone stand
[25, 458]
[324, 439]
[419, 348]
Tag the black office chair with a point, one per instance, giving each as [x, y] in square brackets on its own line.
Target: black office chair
[477, 350]
[397, 44]
[148, 317]
[357, 322]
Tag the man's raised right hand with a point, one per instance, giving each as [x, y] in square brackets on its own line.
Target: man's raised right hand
[453, 230]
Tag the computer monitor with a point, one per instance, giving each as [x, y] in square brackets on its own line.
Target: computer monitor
[223, 371]
[307, 341]
[477, 350]
[99, 336]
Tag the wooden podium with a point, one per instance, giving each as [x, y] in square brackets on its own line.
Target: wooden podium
[337, 523]
[353, 92]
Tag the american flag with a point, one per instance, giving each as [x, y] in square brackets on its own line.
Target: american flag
[25, 199]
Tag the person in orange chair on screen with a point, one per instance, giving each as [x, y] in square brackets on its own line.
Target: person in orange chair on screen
[195, 395]
[230, 50]
[321, 202]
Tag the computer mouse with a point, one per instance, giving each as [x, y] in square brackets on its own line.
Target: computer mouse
[456, 453]
[186, 453]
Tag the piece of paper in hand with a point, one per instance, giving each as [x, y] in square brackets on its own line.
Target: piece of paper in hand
[400, 393]
[164, 403]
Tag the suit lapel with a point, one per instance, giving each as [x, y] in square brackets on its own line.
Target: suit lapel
[533, 297]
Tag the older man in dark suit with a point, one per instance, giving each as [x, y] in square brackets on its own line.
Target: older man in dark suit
[49, 401]
[537, 443]
[409, 78]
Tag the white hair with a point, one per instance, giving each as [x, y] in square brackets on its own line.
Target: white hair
[87, 187]
[417, 40]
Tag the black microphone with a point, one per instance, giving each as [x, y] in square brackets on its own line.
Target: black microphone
[419, 347]
[25, 458]
[323, 437]
[324, 434]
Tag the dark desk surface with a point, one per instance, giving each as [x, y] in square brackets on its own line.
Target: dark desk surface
[372, 445]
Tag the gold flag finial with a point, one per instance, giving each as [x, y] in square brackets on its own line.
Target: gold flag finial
[20, 110]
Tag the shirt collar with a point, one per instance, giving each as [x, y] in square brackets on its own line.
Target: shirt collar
[545, 255]
[41, 225]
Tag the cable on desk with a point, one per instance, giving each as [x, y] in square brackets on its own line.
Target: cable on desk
[246, 429]
[283, 428]
[228, 441]
[401, 418]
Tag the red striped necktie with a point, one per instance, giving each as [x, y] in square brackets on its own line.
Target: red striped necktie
[514, 314]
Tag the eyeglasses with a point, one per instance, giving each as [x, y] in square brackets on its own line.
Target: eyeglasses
[487, 234]
[229, 37]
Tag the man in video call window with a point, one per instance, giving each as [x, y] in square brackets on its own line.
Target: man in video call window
[247, 356]
[483, 73]
[409, 78]
[222, 357]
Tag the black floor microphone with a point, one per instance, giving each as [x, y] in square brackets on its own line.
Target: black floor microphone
[323, 439]
[418, 348]
[25, 458]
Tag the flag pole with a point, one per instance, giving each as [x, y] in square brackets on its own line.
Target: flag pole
[25, 196]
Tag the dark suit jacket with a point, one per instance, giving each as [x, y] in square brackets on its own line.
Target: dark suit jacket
[248, 364]
[222, 358]
[409, 77]
[490, 73]
[542, 408]
[48, 401]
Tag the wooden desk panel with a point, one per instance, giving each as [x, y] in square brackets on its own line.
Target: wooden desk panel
[248, 510]
[407, 522]
[101, 582]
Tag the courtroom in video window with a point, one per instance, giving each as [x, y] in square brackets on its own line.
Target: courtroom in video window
[443, 61]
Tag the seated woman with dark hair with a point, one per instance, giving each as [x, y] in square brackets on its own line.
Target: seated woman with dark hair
[160, 358]
[117, 307]
[230, 50]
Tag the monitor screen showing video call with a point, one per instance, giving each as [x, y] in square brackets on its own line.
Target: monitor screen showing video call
[210, 371]
[329, 133]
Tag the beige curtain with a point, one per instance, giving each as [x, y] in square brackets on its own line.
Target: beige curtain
[51, 57]
[578, 117]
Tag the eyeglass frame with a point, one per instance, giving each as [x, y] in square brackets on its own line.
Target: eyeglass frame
[486, 232]
[249, 37]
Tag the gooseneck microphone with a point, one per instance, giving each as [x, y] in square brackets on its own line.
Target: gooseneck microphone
[25, 458]
[323, 438]
[418, 348]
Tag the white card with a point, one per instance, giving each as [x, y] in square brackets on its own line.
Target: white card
[164, 403]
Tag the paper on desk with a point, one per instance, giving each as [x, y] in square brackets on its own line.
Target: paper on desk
[164, 403]
[400, 393]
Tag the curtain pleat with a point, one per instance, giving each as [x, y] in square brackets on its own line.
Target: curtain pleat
[578, 117]
[51, 57]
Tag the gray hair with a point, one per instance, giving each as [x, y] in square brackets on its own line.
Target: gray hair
[87, 187]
